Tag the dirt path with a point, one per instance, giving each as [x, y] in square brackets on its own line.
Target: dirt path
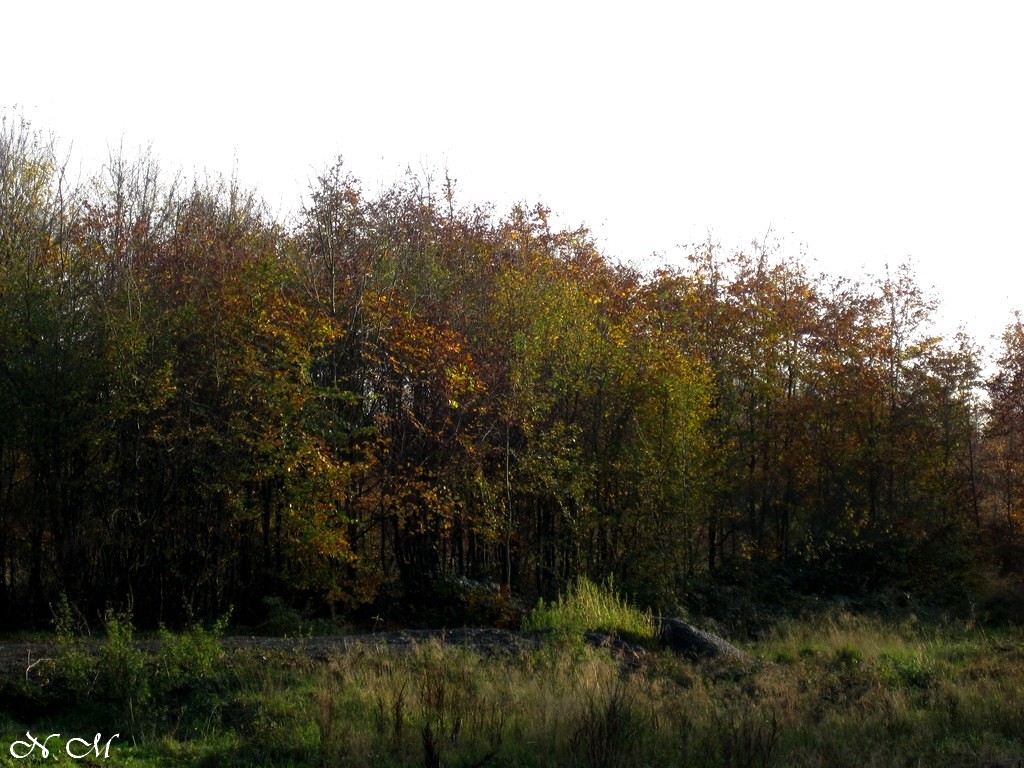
[22, 659]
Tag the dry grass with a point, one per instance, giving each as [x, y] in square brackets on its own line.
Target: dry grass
[839, 690]
[847, 692]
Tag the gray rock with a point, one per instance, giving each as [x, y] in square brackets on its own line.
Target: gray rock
[686, 640]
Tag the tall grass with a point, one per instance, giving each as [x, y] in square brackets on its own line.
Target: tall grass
[447, 706]
[837, 690]
[590, 607]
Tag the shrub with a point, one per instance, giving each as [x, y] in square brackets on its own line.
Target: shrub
[123, 670]
[74, 665]
[283, 620]
[192, 655]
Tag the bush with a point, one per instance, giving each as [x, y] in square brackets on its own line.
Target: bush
[192, 655]
[123, 668]
[74, 665]
[112, 673]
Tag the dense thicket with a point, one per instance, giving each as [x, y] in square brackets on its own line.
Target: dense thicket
[202, 406]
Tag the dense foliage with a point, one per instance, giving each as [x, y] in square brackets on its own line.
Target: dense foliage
[202, 406]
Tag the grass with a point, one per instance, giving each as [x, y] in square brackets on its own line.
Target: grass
[833, 690]
[586, 607]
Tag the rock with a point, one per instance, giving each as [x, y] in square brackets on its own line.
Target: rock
[631, 653]
[686, 640]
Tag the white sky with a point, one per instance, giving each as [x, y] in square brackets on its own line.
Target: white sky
[877, 133]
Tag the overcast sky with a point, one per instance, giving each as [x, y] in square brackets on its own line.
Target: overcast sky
[874, 134]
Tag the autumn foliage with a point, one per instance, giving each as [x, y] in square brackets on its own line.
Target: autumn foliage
[202, 406]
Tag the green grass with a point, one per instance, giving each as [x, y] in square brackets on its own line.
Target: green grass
[586, 607]
[834, 690]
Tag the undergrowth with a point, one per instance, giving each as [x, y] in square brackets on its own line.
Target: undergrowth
[837, 690]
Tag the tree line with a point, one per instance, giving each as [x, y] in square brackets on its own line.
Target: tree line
[202, 405]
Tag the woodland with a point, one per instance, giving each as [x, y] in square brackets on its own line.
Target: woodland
[391, 399]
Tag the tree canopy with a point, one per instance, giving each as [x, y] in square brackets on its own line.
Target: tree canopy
[203, 405]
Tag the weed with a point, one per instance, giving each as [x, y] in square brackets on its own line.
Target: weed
[74, 664]
[195, 654]
[122, 666]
